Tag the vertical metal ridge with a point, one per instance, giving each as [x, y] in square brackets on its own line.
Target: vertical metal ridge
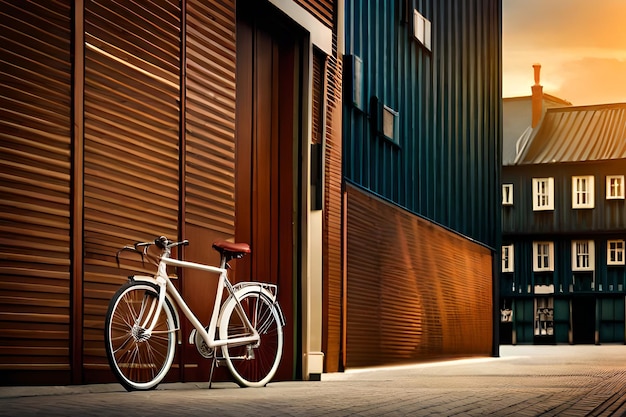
[449, 110]
[76, 193]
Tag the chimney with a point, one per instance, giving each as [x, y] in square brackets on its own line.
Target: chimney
[537, 97]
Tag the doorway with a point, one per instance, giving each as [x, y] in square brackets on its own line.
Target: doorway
[583, 320]
[268, 202]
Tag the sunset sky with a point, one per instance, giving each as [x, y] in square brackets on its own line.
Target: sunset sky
[580, 44]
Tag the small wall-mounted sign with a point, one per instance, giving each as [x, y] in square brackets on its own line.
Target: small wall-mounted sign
[385, 121]
[353, 80]
[390, 124]
[421, 29]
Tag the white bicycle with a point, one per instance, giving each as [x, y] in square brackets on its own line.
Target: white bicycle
[142, 322]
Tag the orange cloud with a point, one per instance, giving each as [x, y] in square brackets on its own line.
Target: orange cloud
[581, 45]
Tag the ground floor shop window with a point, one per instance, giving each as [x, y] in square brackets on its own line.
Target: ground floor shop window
[583, 281]
[544, 317]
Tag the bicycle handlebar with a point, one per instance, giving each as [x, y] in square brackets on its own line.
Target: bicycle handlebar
[141, 248]
[163, 243]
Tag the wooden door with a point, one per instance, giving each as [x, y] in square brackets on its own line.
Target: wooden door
[266, 145]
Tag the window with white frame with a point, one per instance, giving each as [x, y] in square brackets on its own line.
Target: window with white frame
[543, 256]
[507, 258]
[583, 255]
[614, 187]
[543, 194]
[421, 29]
[582, 192]
[615, 252]
[507, 194]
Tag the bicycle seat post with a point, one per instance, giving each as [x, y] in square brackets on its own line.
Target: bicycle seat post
[223, 261]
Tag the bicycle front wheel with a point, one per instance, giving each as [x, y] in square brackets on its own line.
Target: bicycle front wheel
[252, 365]
[139, 360]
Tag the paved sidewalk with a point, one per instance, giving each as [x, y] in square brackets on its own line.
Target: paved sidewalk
[524, 381]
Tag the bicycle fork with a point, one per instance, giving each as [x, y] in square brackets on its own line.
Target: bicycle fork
[143, 330]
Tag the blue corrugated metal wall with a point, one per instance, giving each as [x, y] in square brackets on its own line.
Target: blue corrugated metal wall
[447, 161]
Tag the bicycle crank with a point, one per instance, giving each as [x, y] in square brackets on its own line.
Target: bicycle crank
[203, 349]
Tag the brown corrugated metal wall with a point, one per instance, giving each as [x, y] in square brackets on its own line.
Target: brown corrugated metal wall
[322, 9]
[131, 144]
[332, 228]
[129, 157]
[209, 157]
[35, 154]
[414, 289]
[210, 116]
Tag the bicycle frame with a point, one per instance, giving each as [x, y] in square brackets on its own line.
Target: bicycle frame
[167, 287]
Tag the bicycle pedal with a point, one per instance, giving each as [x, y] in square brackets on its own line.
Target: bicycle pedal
[249, 352]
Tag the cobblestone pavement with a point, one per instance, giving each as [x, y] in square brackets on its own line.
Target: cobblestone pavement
[523, 381]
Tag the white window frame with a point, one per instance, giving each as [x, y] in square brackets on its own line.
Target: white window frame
[615, 187]
[422, 29]
[507, 194]
[583, 255]
[618, 251]
[507, 258]
[390, 124]
[583, 191]
[543, 256]
[543, 194]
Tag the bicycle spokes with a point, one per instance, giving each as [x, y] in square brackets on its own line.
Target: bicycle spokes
[140, 359]
[141, 322]
[253, 364]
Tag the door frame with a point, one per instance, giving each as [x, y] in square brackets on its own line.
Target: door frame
[308, 242]
[311, 221]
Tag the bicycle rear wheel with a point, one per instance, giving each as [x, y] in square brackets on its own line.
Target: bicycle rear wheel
[139, 361]
[252, 365]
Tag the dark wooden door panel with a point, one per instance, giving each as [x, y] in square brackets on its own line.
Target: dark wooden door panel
[267, 92]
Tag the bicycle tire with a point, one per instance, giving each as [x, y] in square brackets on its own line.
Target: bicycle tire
[258, 369]
[139, 362]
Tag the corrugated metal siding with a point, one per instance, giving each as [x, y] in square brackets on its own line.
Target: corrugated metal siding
[446, 166]
[333, 222]
[575, 134]
[131, 143]
[131, 159]
[209, 177]
[415, 290]
[317, 99]
[323, 10]
[35, 154]
[210, 116]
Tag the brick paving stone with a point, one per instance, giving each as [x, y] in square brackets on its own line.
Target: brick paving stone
[524, 381]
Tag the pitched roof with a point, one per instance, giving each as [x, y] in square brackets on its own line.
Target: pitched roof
[581, 133]
[516, 118]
